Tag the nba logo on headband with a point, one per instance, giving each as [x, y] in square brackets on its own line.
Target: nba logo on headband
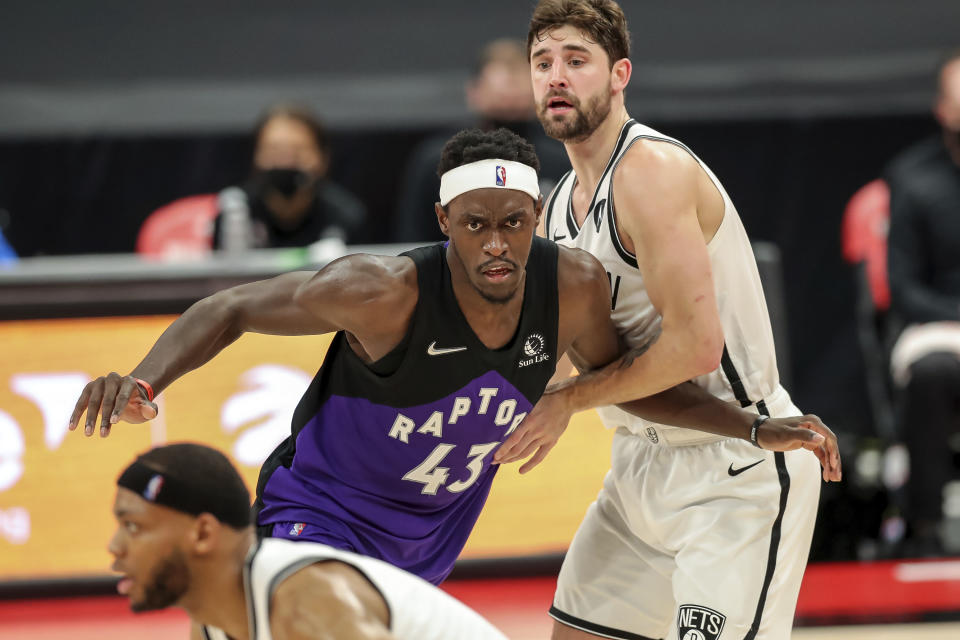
[153, 488]
[476, 175]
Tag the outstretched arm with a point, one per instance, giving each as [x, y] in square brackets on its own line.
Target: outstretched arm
[690, 406]
[585, 312]
[350, 293]
[204, 330]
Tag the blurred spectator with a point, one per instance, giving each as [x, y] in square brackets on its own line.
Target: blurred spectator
[924, 266]
[7, 254]
[501, 95]
[288, 200]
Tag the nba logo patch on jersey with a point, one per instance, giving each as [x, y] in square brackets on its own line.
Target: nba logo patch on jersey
[153, 488]
[501, 176]
[297, 529]
[652, 435]
[699, 623]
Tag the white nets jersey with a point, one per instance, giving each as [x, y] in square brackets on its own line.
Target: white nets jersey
[748, 372]
[418, 610]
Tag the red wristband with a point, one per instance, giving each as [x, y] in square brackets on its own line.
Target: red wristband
[146, 387]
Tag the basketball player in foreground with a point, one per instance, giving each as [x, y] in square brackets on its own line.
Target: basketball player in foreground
[692, 535]
[439, 354]
[184, 539]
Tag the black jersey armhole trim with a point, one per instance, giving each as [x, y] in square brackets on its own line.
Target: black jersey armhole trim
[248, 583]
[552, 201]
[736, 384]
[571, 219]
[614, 159]
[592, 627]
[572, 227]
[626, 256]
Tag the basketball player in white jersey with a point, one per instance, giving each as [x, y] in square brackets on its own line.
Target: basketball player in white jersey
[693, 536]
[184, 538]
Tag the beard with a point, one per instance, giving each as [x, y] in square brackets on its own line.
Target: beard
[494, 299]
[588, 118]
[501, 299]
[169, 583]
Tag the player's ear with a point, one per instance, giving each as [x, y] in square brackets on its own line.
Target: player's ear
[442, 219]
[620, 74]
[204, 534]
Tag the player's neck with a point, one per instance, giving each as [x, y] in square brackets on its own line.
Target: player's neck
[217, 597]
[589, 157]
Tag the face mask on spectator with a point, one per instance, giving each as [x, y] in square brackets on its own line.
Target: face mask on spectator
[286, 181]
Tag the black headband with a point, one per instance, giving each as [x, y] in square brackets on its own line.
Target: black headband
[161, 488]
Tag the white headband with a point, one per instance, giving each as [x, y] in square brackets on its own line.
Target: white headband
[504, 174]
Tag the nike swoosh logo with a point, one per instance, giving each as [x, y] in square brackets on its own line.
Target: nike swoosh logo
[559, 237]
[736, 472]
[432, 350]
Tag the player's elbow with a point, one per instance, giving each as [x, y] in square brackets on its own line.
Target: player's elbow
[709, 350]
[701, 347]
[697, 342]
[224, 308]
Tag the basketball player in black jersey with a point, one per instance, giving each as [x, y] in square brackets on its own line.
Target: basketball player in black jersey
[439, 355]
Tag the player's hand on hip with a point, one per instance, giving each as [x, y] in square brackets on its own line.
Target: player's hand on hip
[113, 398]
[809, 432]
[537, 434]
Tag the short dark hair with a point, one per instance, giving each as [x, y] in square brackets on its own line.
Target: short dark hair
[302, 114]
[472, 145]
[207, 470]
[602, 21]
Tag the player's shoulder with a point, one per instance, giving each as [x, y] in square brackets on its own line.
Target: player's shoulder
[653, 160]
[376, 267]
[653, 173]
[315, 581]
[319, 593]
[580, 275]
[372, 278]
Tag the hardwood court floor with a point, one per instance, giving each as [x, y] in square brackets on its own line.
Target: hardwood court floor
[108, 618]
[903, 590]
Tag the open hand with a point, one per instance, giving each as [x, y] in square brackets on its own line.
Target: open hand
[115, 398]
[809, 432]
[538, 432]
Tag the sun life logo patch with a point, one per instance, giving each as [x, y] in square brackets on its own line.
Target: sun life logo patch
[533, 348]
[533, 345]
[699, 623]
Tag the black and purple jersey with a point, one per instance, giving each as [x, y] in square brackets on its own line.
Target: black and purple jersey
[392, 459]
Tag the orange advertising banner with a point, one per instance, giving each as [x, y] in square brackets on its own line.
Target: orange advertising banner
[57, 487]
